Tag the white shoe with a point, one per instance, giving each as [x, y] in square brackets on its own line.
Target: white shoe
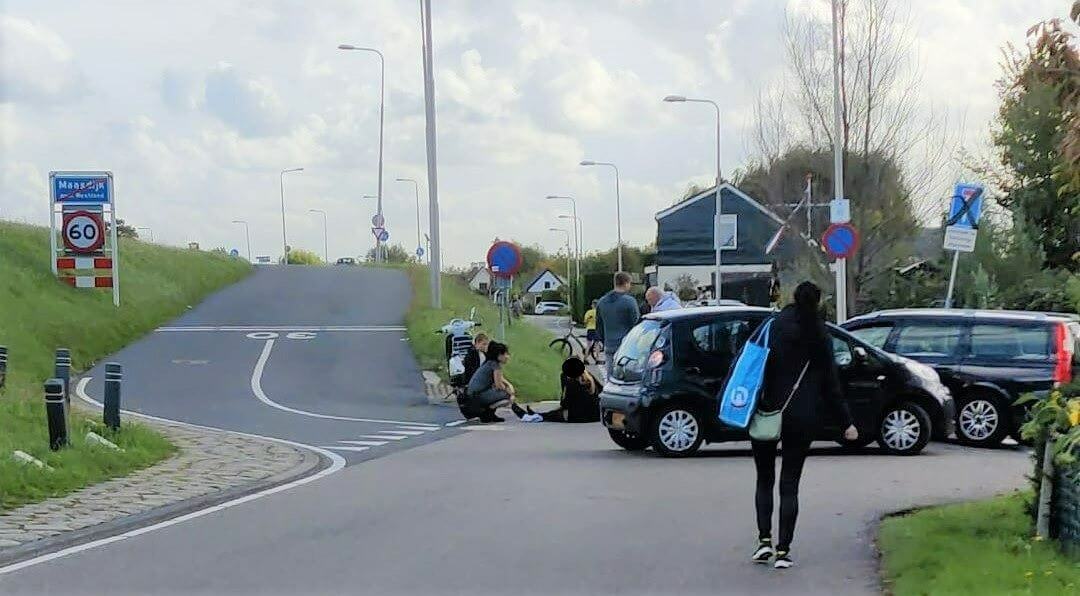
[532, 418]
[783, 560]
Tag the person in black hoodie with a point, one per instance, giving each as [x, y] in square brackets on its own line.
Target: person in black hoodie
[580, 400]
[798, 339]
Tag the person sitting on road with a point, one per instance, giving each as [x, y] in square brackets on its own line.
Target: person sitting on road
[580, 400]
[488, 389]
[659, 300]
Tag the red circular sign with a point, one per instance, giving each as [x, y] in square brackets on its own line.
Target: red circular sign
[504, 258]
[841, 240]
[83, 231]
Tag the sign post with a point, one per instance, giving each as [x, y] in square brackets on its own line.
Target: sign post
[962, 227]
[80, 201]
[504, 260]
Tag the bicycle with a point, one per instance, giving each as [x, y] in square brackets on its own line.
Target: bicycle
[566, 346]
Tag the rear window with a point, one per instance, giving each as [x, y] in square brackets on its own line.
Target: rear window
[635, 348]
[928, 339]
[1011, 342]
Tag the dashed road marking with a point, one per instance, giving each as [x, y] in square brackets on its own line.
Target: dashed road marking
[384, 437]
[366, 443]
[343, 448]
[411, 433]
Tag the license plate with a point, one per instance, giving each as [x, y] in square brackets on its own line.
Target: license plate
[618, 421]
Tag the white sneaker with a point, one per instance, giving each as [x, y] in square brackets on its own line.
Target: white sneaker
[763, 553]
[783, 560]
[532, 418]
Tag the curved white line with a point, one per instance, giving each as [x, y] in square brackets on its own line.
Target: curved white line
[336, 464]
[256, 388]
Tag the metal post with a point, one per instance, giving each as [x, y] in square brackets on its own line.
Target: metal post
[838, 162]
[3, 365]
[432, 167]
[62, 371]
[114, 373]
[52, 228]
[115, 243]
[284, 237]
[952, 280]
[56, 414]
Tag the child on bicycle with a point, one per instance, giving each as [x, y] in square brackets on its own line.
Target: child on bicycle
[591, 336]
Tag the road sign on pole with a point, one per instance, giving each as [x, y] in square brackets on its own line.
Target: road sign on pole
[504, 258]
[962, 227]
[79, 201]
[841, 240]
[419, 252]
[83, 231]
[378, 220]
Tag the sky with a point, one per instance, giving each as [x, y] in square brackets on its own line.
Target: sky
[197, 106]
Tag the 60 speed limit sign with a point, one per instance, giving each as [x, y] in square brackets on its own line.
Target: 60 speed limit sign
[83, 231]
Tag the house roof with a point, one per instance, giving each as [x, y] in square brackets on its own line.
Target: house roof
[709, 191]
[473, 275]
[528, 286]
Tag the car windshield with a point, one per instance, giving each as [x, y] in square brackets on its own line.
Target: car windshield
[634, 351]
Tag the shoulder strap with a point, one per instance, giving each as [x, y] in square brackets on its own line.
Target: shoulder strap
[796, 387]
[761, 334]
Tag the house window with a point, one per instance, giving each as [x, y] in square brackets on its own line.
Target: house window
[483, 286]
[728, 229]
[547, 285]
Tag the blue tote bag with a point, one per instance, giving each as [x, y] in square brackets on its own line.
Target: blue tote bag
[746, 379]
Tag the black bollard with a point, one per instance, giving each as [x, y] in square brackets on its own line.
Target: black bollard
[62, 371]
[114, 373]
[3, 365]
[56, 413]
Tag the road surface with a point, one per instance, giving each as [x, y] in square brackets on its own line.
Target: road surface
[512, 508]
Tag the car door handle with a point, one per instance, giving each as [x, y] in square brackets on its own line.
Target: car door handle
[693, 370]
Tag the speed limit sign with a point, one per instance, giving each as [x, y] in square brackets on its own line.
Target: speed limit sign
[83, 231]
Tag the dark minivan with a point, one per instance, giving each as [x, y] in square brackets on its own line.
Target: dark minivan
[667, 373]
[987, 358]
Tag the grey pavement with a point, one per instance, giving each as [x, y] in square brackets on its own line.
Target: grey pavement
[535, 509]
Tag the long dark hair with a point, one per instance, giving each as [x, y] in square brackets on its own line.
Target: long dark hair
[808, 309]
[496, 349]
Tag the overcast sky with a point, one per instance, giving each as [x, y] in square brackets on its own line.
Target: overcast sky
[197, 105]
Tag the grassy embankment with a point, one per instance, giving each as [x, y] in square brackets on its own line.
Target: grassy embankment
[987, 547]
[533, 369]
[39, 314]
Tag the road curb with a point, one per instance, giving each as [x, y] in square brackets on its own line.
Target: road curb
[310, 465]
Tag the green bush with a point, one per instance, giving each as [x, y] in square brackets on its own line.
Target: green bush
[299, 256]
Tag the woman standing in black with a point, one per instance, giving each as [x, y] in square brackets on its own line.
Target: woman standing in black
[800, 373]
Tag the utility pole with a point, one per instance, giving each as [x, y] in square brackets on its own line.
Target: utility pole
[432, 167]
[838, 160]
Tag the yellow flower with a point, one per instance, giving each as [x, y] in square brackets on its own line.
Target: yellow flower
[1074, 412]
[1029, 574]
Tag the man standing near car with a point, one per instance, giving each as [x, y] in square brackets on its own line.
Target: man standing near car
[616, 314]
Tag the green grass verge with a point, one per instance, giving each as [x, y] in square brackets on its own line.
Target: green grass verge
[38, 314]
[986, 547]
[533, 369]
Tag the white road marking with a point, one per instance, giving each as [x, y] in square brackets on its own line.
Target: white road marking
[455, 423]
[368, 443]
[336, 464]
[384, 437]
[344, 448]
[256, 388]
[410, 433]
[419, 427]
[484, 427]
[283, 329]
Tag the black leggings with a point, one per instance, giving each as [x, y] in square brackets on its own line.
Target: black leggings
[794, 455]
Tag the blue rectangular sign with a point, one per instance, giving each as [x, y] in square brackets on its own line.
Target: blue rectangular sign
[81, 187]
[966, 206]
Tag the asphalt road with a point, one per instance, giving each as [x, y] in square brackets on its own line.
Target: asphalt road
[534, 509]
[308, 354]
[512, 508]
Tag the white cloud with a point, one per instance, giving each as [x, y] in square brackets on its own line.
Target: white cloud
[35, 64]
[250, 105]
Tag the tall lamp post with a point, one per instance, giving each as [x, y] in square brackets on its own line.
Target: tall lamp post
[247, 235]
[569, 293]
[284, 238]
[416, 191]
[577, 230]
[435, 260]
[149, 231]
[719, 178]
[577, 246]
[326, 251]
[838, 161]
[382, 111]
[618, 205]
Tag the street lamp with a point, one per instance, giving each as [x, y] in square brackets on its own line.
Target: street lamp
[284, 238]
[247, 235]
[719, 177]
[326, 252]
[151, 232]
[382, 106]
[569, 293]
[416, 189]
[577, 247]
[577, 230]
[618, 206]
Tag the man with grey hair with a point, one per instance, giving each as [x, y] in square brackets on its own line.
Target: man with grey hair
[660, 300]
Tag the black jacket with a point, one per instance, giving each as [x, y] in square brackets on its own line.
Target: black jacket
[471, 362]
[791, 346]
[580, 404]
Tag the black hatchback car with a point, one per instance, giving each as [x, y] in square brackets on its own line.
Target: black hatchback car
[986, 358]
[667, 373]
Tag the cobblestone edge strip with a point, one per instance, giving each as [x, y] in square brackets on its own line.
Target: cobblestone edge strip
[310, 463]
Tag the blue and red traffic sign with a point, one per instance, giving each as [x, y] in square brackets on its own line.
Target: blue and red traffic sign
[504, 258]
[841, 240]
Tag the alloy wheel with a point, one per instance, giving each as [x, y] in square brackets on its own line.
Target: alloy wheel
[978, 419]
[678, 430]
[900, 430]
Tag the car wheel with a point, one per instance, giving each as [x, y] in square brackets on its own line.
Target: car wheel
[981, 420]
[677, 431]
[905, 429]
[628, 442]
